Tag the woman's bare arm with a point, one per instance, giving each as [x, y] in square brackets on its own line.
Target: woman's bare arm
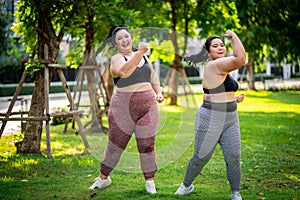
[228, 64]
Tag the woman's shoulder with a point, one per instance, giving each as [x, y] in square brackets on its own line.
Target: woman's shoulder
[220, 65]
[118, 58]
[115, 56]
[210, 66]
[212, 70]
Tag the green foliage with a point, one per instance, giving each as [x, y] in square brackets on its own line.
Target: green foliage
[270, 29]
[94, 17]
[33, 65]
[163, 51]
[270, 159]
[12, 59]
[215, 17]
[74, 58]
[195, 80]
[25, 24]
[266, 36]
[30, 13]
[6, 42]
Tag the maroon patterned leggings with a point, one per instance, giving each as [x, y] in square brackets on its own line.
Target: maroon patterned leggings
[132, 113]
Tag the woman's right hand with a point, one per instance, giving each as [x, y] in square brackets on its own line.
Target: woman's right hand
[143, 47]
[229, 33]
[239, 98]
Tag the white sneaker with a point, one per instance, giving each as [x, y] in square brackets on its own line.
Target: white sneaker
[236, 195]
[100, 183]
[150, 187]
[182, 190]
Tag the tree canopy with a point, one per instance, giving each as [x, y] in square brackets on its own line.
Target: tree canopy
[265, 35]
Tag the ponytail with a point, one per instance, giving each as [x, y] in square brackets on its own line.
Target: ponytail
[202, 56]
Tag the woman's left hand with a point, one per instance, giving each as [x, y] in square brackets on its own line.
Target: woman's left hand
[239, 98]
[160, 98]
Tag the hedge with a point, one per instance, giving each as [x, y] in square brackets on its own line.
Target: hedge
[27, 89]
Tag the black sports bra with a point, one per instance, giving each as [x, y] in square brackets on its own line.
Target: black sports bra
[229, 85]
[139, 75]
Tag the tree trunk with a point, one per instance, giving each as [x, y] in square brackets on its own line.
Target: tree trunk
[176, 66]
[250, 75]
[108, 81]
[32, 136]
[48, 48]
[90, 59]
[173, 85]
[92, 91]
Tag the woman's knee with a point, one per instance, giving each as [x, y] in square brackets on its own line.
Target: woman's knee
[233, 159]
[197, 161]
[145, 145]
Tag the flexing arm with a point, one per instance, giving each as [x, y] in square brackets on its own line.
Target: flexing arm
[238, 48]
[238, 59]
[121, 68]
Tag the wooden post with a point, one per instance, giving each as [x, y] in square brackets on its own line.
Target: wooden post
[73, 112]
[97, 109]
[11, 105]
[76, 116]
[49, 153]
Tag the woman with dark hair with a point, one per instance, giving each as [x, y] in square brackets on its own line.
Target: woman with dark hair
[132, 108]
[217, 119]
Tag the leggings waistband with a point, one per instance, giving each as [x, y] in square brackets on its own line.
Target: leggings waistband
[223, 107]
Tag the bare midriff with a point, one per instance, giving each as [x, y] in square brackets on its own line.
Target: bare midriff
[135, 88]
[220, 97]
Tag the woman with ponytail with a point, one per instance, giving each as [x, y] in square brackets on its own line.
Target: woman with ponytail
[217, 119]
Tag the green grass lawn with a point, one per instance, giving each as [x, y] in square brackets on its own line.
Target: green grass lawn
[270, 132]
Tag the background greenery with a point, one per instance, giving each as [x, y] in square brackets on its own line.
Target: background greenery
[270, 133]
[87, 22]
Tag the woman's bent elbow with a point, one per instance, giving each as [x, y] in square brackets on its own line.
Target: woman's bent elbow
[241, 61]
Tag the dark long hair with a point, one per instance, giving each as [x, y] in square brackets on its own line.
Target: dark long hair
[113, 31]
[202, 56]
[111, 37]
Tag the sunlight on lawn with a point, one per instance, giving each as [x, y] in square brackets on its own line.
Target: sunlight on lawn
[265, 103]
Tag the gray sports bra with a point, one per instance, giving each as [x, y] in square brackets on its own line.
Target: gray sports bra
[139, 75]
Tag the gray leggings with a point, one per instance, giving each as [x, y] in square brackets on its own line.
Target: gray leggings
[212, 127]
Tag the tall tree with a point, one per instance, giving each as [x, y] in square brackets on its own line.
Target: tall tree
[42, 24]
